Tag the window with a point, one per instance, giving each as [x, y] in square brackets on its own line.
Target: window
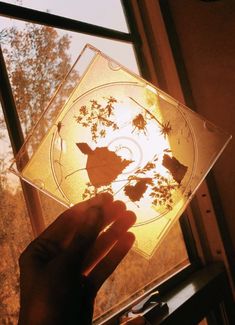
[32, 87]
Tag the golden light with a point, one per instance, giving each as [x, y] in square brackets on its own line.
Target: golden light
[116, 132]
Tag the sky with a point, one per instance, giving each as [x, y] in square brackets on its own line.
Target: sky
[106, 13]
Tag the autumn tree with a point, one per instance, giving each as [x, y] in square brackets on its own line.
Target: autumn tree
[14, 236]
[37, 61]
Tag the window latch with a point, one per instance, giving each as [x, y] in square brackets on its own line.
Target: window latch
[152, 303]
[149, 301]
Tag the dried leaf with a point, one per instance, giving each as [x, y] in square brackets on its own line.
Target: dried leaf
[136, 192]
[103, 166]
[177, 169]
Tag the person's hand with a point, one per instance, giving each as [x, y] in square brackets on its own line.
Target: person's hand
[62, 270]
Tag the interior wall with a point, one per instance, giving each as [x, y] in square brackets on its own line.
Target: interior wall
[206, 33]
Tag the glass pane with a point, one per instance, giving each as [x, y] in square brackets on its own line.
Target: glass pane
[105, 13]
[15, 232]
[41, 85]
[38, 57]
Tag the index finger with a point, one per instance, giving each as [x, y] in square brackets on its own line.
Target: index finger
[71, 221]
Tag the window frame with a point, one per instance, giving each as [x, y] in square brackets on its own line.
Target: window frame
[206, 209]
[157, 64]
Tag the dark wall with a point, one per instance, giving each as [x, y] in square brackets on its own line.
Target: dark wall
[206, 35]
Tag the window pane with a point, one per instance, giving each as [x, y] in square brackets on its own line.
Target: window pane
[37, 58]
[15, 232]
[105, 13]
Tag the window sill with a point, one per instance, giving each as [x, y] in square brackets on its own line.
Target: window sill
[203, 292]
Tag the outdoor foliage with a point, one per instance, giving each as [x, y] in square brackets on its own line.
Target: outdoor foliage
[37, 59]
[15, 233]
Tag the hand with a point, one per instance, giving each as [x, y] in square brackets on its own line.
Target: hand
[62, 270]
